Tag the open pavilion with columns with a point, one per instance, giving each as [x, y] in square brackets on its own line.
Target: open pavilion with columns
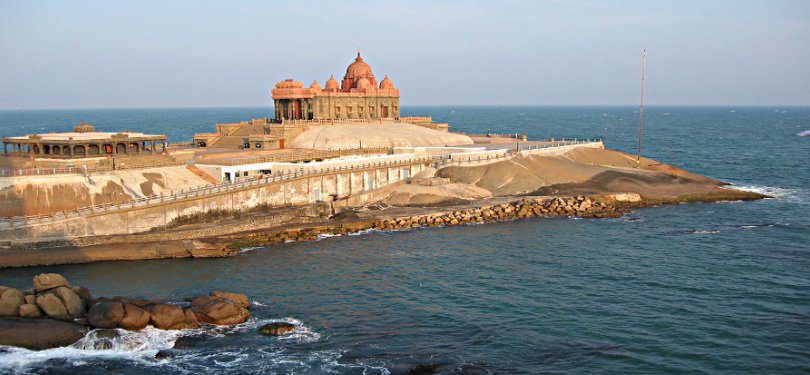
[84, 142]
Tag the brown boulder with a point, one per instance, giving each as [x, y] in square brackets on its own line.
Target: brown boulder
[189, 322]
[84, 294]
[30, 298]
[46, 281]
[135, 318]
[10, 301]
[166, 316]
[200, 300]
[73, 304]
[38, 334]
[221, 312]
[28, 310]
[106, 314]
[277, 328]
[53, 307]
[239, 298]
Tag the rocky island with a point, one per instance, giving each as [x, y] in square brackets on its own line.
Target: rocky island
[335, 159]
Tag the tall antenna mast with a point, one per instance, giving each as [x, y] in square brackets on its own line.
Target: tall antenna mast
[641, 108]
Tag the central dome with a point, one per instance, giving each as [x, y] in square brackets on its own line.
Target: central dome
[359, 69]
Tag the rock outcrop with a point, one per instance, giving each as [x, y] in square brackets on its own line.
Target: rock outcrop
[277, 328]
[54, 313]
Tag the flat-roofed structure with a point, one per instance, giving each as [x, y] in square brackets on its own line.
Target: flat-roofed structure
[84, 142]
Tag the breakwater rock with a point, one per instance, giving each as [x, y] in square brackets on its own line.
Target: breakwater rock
[53, 313]
[603, 206]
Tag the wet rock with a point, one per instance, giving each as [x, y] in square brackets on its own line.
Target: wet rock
[47, 281]
[163, 354]
[239, 298]
[10, 301]
[53, 307]
[135, 318]
[190, 321]
[37, 334]
[277, 328]
[106, 314]
[165, 316]
[71, 300]
[221, 312]
[29, 310]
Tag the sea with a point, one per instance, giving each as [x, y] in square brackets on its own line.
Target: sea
[718, 288]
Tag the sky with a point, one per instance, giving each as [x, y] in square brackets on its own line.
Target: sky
[155, 54]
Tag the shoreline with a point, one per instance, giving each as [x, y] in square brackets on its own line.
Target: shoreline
[259, 230]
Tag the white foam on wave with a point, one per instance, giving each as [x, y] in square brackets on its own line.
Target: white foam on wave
[138, 346]
[249, 249]
[790, 194]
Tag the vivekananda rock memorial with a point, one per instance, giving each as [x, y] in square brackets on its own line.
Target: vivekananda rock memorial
[356, 112]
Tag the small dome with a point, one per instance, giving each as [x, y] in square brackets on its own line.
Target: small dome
[358, 68]
[386, 83]
[362, 83]
[315, 86]
[289, 84]
[84, 128]
[331, 83]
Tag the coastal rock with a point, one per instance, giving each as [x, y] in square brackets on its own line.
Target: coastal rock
[73, 304]
[53, 307]
[239, 298]
[46, 281]
[200, 300]
[10, 301]
[135, 318]
[166, 315]
[38, 334]
[106, 314]
[277, 328]
[30, 298]
[221, 312]
[84, 294]
[29, 310]
[190, 321]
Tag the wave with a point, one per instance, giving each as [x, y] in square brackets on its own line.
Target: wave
[791, 194]
[140, 348]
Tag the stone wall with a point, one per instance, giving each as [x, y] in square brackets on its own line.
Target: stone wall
[296, 192]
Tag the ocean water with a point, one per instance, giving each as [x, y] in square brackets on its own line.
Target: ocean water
[700, 288]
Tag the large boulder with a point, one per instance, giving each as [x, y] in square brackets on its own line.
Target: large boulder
[29, 310]
[135, 318]
[106, 314]
[166, 316]
[239, 298]
[221, 312]
[37, 334]
[10, 301]
[73, 303]
[47, 281]
[84, 294]
[53, 307]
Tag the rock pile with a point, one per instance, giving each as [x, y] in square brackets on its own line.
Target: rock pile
[580, 206]
[32, 312]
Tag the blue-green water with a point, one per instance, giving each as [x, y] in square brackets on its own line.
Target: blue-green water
[702, 288]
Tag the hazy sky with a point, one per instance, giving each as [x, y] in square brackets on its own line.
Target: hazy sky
[95, 54]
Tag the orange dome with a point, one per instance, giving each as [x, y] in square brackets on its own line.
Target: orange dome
[386, 83]
[315, 86]
[362, 83]
[358, 69]
[331, 83]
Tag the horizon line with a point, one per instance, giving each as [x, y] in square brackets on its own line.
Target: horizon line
[411, 105]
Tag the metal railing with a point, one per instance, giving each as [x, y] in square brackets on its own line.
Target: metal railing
[303, 172]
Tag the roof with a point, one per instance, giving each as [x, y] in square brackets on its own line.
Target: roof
[76, 136]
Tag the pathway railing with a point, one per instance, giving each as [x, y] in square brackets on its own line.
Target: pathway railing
[303, 172]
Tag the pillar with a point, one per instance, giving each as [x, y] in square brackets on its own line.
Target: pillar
[153, 147]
